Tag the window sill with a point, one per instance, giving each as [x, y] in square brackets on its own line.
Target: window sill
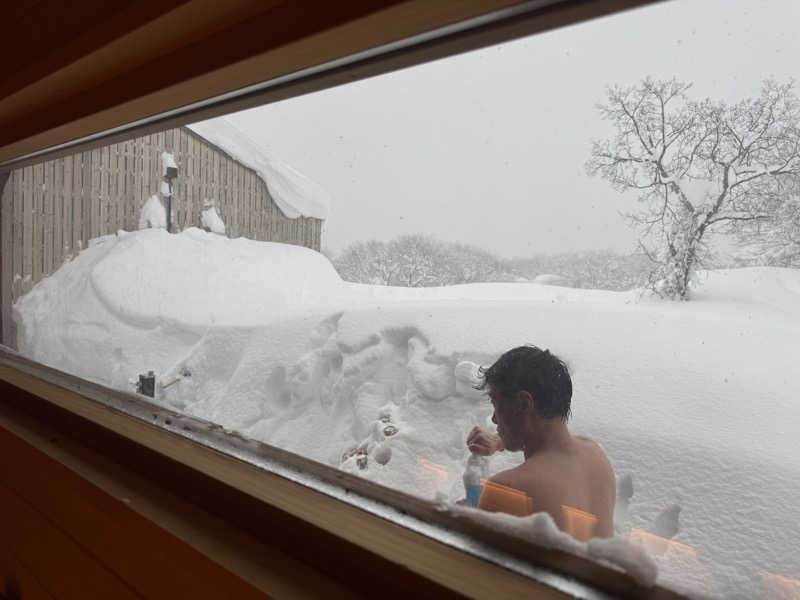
[248, 483]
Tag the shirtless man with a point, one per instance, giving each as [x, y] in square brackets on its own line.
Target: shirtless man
[565, 475]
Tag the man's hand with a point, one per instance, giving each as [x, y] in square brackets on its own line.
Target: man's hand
[480, 441]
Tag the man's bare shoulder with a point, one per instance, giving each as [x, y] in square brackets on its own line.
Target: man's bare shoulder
[535, 474]
[591, 446]
[584, 438]
[507, 477]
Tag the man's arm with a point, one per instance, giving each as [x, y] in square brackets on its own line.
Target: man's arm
[480, 441]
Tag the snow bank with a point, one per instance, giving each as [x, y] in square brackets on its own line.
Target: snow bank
[293, 192]
[694, 402]
[548, 279]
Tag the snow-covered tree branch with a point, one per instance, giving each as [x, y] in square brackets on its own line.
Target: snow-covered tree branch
[697, 165]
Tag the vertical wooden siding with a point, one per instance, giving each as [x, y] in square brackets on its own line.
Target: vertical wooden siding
[50, 211]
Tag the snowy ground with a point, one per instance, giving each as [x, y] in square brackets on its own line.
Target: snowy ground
[697, 402]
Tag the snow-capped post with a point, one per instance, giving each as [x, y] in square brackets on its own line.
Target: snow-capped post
[170, 173]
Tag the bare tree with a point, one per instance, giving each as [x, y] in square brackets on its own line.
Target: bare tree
[470, 264]
[775, 242]
[409, 261]
[696, 166]
[418, 259]
[366, 262]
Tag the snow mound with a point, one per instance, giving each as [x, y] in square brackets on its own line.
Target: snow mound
[211, 220]
[153, 214]
[138, 299]
[294, 193]
[771, 290]
[550, 279]
[146, 278]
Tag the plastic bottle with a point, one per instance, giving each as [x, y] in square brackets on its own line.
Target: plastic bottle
[477, 470]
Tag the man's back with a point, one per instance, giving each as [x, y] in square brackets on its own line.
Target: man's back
[573, 482]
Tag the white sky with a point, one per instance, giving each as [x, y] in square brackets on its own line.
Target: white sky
[488, 147]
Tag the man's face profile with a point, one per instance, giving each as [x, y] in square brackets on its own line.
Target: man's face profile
[508, 423]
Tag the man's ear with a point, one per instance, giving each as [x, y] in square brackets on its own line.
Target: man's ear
[524, 401]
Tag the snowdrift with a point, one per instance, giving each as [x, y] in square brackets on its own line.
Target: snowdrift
[137, 299]
[695, 403]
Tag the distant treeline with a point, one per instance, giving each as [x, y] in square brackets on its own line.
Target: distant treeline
[590, 269]
[422, 261]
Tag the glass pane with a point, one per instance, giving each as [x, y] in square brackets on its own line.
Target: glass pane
[344, 267]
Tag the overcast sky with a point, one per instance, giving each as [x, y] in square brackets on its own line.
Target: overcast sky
[488, 147]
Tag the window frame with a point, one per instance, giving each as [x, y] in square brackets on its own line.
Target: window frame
[449, 550]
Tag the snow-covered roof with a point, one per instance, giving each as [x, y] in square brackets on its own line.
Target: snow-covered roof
[294, 193]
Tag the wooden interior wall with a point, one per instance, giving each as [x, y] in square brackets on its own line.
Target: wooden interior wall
[50, 211]
[162, 528]
[65, 538]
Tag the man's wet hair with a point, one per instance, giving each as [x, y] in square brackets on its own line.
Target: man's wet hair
[537, 371]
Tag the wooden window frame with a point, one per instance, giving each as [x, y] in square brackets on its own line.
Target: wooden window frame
[412, 538]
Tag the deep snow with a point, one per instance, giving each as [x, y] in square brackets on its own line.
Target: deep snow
[695, 403]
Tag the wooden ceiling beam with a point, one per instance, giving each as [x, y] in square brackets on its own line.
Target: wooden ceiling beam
[43, 36]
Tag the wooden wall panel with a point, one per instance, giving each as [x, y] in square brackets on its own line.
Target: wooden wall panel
[66, 212]
[64, 568]
[6, 248]
[57, 222]
[84, 543]
[16, 579]
[16, 179]
[48, 200]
